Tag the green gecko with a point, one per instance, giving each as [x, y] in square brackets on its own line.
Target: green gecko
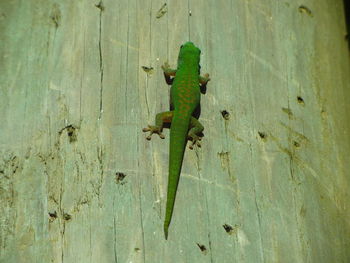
[187, 84]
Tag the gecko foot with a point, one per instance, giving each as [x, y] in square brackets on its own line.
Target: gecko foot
[195, 139]
[153, 129]
[165, 66]
[204, 80]
[167, 70]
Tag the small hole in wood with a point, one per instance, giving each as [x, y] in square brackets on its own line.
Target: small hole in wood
[119, 177]
[296, 144]
[300, 100]
[67, 216]
[53, 214]
[225, 114]
[100, 6]
[228, 228]
[262, 135]
[305, 9]
[202, 248]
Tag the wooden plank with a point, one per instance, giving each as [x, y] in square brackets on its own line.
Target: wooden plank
[78, 180]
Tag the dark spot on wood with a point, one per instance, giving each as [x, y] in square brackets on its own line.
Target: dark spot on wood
[262, 135]
[225, 114]
[15, 170]
[300, 100]
[67, 216]
[56, 15]
[162, 11]
[119, 177]
[53, 215]
[228, 228]
[288, 111]
[202, 248]
[148, 70]
[296, 144]
[231, 230]
[100, 6]
[306, 10]
[71, 132]
[137, 249]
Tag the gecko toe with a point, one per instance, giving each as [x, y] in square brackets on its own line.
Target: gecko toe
[152, 130]
[165, 66]
[195, 139]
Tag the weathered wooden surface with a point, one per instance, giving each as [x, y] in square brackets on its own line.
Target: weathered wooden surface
[74, 99]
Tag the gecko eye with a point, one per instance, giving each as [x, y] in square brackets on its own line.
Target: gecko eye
[181, 46]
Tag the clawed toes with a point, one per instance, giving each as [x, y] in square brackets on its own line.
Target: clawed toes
[165, 65]
[153, 129]
[195, 141]
[207, 76]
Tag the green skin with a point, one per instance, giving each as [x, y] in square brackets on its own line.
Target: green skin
[187, 84]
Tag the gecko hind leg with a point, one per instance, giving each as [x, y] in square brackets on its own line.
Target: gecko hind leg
[161, 118]
[196, 129]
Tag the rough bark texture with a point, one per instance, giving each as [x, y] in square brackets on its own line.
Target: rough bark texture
[78, 180]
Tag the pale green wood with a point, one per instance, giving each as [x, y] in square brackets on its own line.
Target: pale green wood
[74, 98]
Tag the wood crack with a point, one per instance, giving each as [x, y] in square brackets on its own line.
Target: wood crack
[100, 6]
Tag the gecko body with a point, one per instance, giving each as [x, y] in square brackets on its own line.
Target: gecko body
[186, 86]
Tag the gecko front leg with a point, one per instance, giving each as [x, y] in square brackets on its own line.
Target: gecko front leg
[203, 80]
[169, 73]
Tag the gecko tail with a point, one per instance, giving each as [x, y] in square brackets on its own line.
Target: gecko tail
[166, 227]
[168, 214]
[178, 140]
[168, 218]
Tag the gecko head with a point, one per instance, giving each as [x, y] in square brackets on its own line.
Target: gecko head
[189, 54]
